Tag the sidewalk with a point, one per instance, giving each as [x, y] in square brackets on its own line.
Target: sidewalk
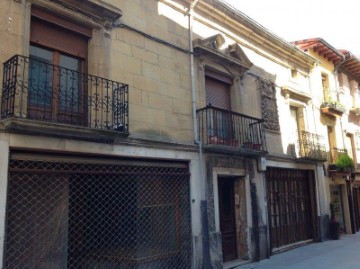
[332, 254]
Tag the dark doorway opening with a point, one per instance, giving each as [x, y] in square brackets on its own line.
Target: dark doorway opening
[227, 217]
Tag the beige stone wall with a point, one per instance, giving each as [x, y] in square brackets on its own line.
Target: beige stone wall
[158, 75]
[351, 122]
[13, 26]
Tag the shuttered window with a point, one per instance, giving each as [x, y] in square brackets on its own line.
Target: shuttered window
[56, 33]
[58, 52]
[58, 38]
[217, 93]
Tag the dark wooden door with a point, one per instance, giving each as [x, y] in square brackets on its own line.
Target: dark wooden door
[356, 198]
[292, 206]
[227, 218]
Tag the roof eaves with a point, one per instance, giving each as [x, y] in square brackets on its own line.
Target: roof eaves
[263, 31]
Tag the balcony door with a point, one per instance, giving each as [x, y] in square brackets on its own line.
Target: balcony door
[294, 129]
[350, 146]
[57, 56]
[54, 86]
[219, 121]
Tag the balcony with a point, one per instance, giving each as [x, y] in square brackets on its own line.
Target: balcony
[222, 130]
[334, 154]
[355, 110]
[332, 108]
[37, 92]
[311, 147]
[340, 163]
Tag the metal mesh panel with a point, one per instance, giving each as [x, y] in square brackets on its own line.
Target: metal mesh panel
[86, 215]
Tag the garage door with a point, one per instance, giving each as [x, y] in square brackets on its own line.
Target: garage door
[76, 212]
[291, 206]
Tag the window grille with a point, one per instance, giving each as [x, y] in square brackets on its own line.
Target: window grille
[64, 214]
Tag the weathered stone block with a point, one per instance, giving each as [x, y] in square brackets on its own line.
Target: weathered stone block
[145, 55]
[160, 101]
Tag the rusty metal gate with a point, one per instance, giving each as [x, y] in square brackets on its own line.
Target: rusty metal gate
[291, 206]
[72, 212]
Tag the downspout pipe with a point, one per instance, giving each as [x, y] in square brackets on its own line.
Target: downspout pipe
[197, 141]
[192, 71]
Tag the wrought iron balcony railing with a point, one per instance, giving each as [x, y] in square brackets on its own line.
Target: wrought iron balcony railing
[37, 90]
[312, 146]
[222, 127]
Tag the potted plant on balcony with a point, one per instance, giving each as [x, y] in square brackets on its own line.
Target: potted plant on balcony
[332, 107]
[334, 225]
[345, 163]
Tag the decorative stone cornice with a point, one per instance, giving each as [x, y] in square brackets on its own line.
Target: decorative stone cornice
[98, 11]
[233, 55]
[255, 34]
[294, 94]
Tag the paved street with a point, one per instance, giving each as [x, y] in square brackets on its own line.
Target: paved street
[332, 254]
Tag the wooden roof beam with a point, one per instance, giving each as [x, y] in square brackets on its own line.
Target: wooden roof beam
[351, 63]
[323, 51]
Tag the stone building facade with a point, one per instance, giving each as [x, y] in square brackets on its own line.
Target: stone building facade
[154, 134]
[335, 87]
[99, 168]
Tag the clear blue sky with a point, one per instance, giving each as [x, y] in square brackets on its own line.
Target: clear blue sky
[337, 22]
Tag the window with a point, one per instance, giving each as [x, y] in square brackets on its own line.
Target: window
[294, 73]
[331, 141]
[294, 127]
[58, 52]
[355, 94]
[350, 146]
[357, 139]
[56, 89]
[325, 86]
[219, 120]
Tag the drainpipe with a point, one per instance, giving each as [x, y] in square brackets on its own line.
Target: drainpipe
[197, 141]
[192, 72]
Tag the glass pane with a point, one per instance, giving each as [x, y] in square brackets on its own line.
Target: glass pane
[69, 88]
[40, 77]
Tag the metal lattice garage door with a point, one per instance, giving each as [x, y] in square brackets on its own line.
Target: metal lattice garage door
[291, 206]
[85, 213]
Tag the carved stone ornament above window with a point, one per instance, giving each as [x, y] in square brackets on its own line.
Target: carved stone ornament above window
[294, 94]
[214, 42]
[103, 13]
[269, 106]
[232, 55]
